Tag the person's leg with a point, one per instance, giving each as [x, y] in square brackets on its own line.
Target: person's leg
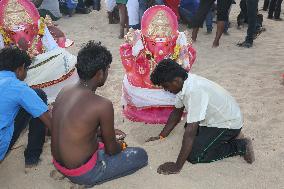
[223, 7]
[271, 8]
[197, 20]
[127, 162]
[209, 21]
[112, 167]
[159, 2]
[212, 144]
[265, 5]
[227, 23]
[252, 6]
[277, 9]
[142, 8]
[123, 18]
[97, 5]
[36, 136]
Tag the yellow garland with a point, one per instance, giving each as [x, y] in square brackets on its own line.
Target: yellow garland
[176, 52]
[6, 38]
[41, 27]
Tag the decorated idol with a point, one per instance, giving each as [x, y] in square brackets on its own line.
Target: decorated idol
[21, 25]
[158, 39]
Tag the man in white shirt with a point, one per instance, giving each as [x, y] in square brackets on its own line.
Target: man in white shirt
[213, 123]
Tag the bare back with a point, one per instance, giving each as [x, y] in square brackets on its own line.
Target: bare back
[75, 121]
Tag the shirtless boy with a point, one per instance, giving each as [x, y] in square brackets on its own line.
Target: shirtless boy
[213, 123]
[80, 116]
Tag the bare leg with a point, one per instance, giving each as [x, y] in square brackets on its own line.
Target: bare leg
[249, 155]
[219, 32]
[123, 17]
[194, 34]
[240, 136]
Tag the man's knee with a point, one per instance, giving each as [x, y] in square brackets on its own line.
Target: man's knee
[41, 94]
[138, 155]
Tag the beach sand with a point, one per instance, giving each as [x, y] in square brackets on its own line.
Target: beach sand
[252, 76]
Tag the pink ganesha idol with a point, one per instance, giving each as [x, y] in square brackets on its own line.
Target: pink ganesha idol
[52, 66]
[158, 39]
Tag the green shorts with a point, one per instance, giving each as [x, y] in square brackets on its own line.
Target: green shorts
[121, 1]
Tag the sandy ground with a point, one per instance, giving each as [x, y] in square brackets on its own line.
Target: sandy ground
[251, 75]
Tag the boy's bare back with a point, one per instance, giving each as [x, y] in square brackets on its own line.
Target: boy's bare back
[76, 117]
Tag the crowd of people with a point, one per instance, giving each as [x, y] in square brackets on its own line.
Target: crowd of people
[191, 12]
[85, 146]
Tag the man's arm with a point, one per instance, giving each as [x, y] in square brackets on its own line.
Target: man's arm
[187, 142]
[112, 147]
[46, 119]
[173, 120]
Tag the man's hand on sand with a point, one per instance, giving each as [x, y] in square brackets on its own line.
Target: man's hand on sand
[153, 139]
[168, 168]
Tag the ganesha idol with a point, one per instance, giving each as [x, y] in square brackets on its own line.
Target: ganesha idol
[52, 66]
[158, 39]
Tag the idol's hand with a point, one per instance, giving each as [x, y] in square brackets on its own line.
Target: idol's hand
[153, 139]
[168, 168]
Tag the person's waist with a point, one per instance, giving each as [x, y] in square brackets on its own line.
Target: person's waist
[86, 167]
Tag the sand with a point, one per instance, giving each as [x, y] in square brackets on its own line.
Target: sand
[253, 77]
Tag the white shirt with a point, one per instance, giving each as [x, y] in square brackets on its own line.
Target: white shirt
[133, 12]
[209, 103]
[1, 42]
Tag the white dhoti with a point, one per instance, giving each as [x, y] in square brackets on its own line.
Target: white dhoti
[51, 71]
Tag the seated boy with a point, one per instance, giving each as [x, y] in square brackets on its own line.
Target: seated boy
[213, 122]
[79, 116]
[18, 104]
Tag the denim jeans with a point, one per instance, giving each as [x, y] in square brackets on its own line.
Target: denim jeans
[252, 6]
[142, 8]
[36, 136]
[275, 8]
[159, 2]
[112, 167]
[209, 22]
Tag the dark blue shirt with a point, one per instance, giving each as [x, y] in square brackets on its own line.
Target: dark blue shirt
[15, 94]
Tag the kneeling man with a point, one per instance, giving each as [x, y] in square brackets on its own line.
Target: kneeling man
[79, 116]
[213, 123]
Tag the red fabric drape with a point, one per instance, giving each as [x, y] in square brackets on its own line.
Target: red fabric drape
[173, 4]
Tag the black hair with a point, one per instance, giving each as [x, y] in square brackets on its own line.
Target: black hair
[166, 71]
[12, 58]
[92, 58]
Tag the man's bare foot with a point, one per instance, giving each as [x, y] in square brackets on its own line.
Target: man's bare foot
[240, 136]
[76, 186]
[56, 175]
[249, 155]
[215, 44]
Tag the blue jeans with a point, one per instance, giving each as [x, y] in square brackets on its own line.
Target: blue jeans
[112, 167]
[143, 6]
[209, 22]
[252, 6]
[159, 2]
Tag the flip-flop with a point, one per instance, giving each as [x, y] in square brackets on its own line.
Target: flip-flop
[68, 43]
